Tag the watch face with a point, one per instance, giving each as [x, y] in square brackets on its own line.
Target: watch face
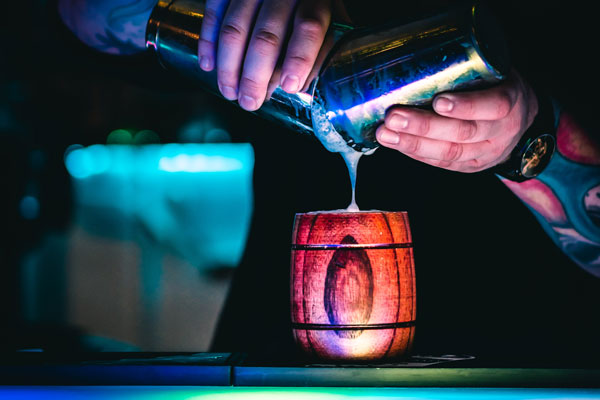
[537, 155]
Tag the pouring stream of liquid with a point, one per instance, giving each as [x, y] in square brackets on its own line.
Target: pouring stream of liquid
[351, 158]
[334, 142]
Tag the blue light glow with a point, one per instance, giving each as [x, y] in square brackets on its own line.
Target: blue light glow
[199, 163]
[78, 164]
[29, 207]
[196, 200]
[84, 162]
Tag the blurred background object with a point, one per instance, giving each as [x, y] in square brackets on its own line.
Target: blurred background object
[155, 231]
[125, 204]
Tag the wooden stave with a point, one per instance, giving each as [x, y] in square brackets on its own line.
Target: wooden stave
[406, 292]
[381, 343]
[395, 222]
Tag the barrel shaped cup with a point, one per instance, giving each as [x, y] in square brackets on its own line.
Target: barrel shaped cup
[353, 285]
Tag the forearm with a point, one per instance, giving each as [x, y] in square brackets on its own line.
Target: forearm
[110, 26]
[565, 198]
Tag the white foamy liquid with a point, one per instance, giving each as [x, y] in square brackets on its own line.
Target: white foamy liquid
[351, 158]
[334, 142]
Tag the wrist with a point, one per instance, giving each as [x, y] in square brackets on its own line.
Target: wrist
[536, 147]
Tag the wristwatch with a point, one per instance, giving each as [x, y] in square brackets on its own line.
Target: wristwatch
[535, 148]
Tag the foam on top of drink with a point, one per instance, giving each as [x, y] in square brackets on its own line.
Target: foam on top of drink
[343, 211]
[334, 142]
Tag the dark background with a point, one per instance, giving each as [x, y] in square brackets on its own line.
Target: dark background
[489, 281]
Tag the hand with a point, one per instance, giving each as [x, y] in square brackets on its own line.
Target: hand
[466, 132]
[244, 40]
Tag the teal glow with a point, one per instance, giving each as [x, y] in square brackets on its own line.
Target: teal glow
[29, 206]
[235, 393]
[199, 163]
[84, 162]
[195, 200]
[78, 164]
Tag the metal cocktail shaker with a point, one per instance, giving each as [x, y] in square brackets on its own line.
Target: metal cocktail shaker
[366, 71]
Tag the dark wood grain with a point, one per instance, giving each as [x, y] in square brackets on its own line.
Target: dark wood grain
[352, 288]
[349, 288]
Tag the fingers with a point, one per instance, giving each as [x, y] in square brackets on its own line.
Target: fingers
[249, 38]
[326, 47]
[458, 166]
[263, 52]
[427, 124]
[483, 105]
[441, 150]
[449, 143]
[233, 37]
[273, 83]
[209, 33]
[467, 132]
[310, 27]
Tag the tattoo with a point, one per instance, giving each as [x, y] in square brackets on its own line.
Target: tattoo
[110, 26]
[565, 198]
[591, 203]
[111, 43]
[127, 12]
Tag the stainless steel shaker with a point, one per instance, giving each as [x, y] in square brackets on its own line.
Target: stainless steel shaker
[365, 72]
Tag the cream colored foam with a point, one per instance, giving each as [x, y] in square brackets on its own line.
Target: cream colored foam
[333, 141]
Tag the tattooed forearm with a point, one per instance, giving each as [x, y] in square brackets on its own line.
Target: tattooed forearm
[110, 26]
[565, 198]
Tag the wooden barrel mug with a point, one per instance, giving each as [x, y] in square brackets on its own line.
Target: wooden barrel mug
[353, 285]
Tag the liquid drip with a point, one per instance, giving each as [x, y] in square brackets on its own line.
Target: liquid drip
[333, 141]
[351, 159]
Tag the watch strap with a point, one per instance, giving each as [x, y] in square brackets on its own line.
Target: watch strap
[534, 150]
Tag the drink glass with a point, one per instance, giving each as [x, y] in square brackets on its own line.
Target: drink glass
[353, 285]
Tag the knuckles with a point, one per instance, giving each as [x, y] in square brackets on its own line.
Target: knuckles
[444, 164]
[233, 33]
[474, 165]
[226, 77]
[466, 131]
[266, 41]
[424, 125]
[452, 152]
[312, 29]
[299, 61]
[410, 144]
[251, 86]
[210, 18]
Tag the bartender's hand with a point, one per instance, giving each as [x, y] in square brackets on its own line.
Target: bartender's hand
[468, 132]
[244, 39]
